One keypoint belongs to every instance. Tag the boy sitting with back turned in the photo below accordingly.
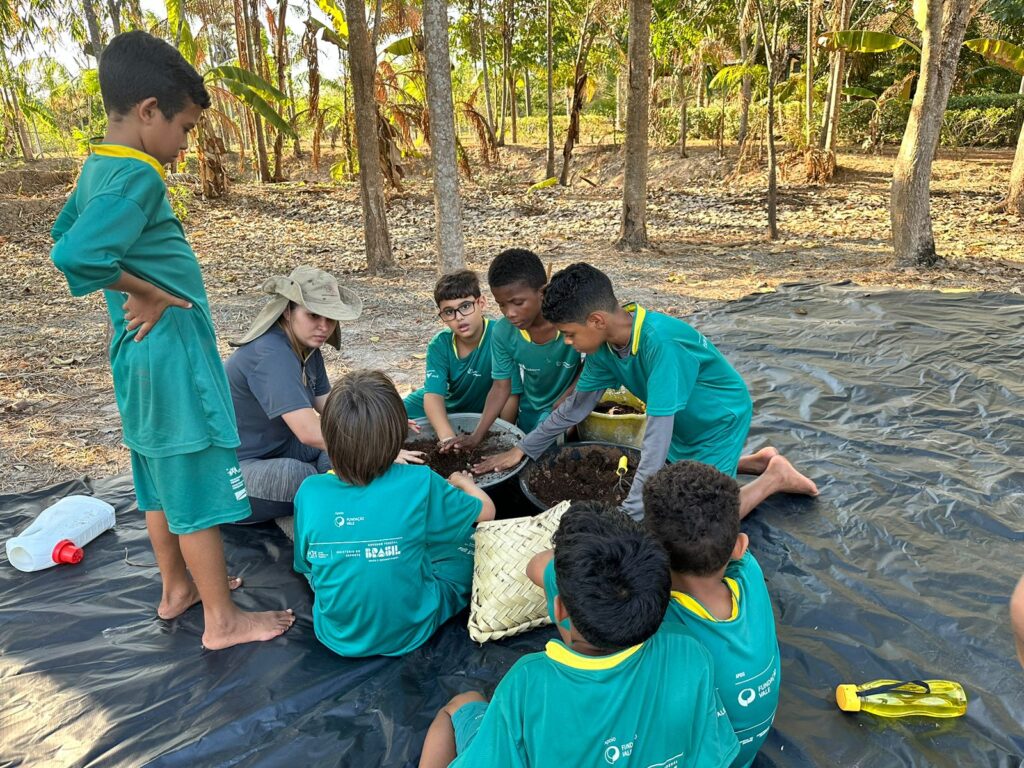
(698, 406)
(458, 369)
(118, 232)
(719, 595)
(528, 349)
(617, 685)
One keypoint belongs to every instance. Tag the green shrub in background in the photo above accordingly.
(986, 120)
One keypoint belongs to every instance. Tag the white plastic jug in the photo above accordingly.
(59, 533)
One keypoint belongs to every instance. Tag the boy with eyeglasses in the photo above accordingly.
(458, 371)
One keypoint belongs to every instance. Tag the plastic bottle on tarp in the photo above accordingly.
(895, 698)
(59, 533)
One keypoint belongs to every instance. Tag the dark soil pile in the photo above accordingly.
(617, 409)
(455, 461)
(582, 474)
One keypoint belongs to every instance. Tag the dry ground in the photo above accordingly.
(56, 404)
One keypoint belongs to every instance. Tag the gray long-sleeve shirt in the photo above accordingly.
(574, 409)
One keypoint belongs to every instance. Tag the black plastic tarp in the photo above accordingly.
(906, 408)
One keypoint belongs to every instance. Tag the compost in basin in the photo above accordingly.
(446, 462)
(582, 472)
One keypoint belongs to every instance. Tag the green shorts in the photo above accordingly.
(195, 491)
(466, 722)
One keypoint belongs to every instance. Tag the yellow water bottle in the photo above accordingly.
(894, 698)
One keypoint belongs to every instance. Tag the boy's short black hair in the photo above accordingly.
(517, 265)
(136, 66)
(457, 285)
(694, 511)
(575, 292)
(612, 576)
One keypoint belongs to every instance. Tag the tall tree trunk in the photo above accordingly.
(943, 34)
(550, 171)
(282, 82)
(259, 66)
(447, 204)
(830, 119)
(746, 85)
(809, 75)
(621, 79)
(774, 62)
(18, 119)
(483, 63)
(310, 48)
(633, 229)
(292, 105)
(513, 103)
(504, 97)
(114, 7)
(529, 92)
(683, 127)
(362, 62)
(92, 23)
(1015, 200)
(578, 92)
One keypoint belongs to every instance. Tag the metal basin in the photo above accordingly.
(507, 436)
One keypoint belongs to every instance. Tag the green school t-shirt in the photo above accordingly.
(545, 370)
(170, 388)
(650, 705)
(463, 382)
(676, 372)
(745, 652)
(372, 555)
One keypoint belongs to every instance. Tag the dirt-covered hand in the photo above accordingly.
(143, 309)
(411, 457)
(462, 480)
(465, 442)
(444, 445)
(499, 462)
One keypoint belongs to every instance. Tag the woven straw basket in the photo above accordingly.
(505, 602)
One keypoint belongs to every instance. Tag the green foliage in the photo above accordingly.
(1000, 52)
(593, 129)
(982, 120)
(863, 41)
(179, 195)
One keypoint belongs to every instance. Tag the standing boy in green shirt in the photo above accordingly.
(616, 688)
(527, 347)
(698, 407)
(719, 595)
(118, 232)
(458, 369)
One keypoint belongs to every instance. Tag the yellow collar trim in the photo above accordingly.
(558, 652)
(526, 335)
(117, 150)
(455, 346)
(690, 604)
(640, 314)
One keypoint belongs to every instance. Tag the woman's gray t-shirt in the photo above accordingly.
(266, 379)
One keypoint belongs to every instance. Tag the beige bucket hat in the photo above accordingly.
(308, 287)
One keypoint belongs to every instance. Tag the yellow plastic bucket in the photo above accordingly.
(618, 428)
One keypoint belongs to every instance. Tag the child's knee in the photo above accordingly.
(462, 699)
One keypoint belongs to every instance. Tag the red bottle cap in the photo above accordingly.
(67, 552)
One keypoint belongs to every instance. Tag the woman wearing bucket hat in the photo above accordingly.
(279, 386)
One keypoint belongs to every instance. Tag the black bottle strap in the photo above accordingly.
(925, 688)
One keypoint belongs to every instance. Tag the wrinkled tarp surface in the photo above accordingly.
(906, 408)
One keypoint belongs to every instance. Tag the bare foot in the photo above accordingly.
(173, 604)
(756, 463)
(787, 479)
(247, 627)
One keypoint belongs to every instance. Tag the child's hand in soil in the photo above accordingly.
(462, 480)
(446, 444)
(465, 442)
(499, 462)
(411, 457)
(414, 426)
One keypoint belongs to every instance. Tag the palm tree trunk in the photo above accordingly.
(830, 119)
(909, 206)
(254, 42)
(282, 82)
(529, 93)
(362, 62)
(633, 228)
(447, 203)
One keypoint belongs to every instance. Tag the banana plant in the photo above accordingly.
(999, 52)
(864, 41)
